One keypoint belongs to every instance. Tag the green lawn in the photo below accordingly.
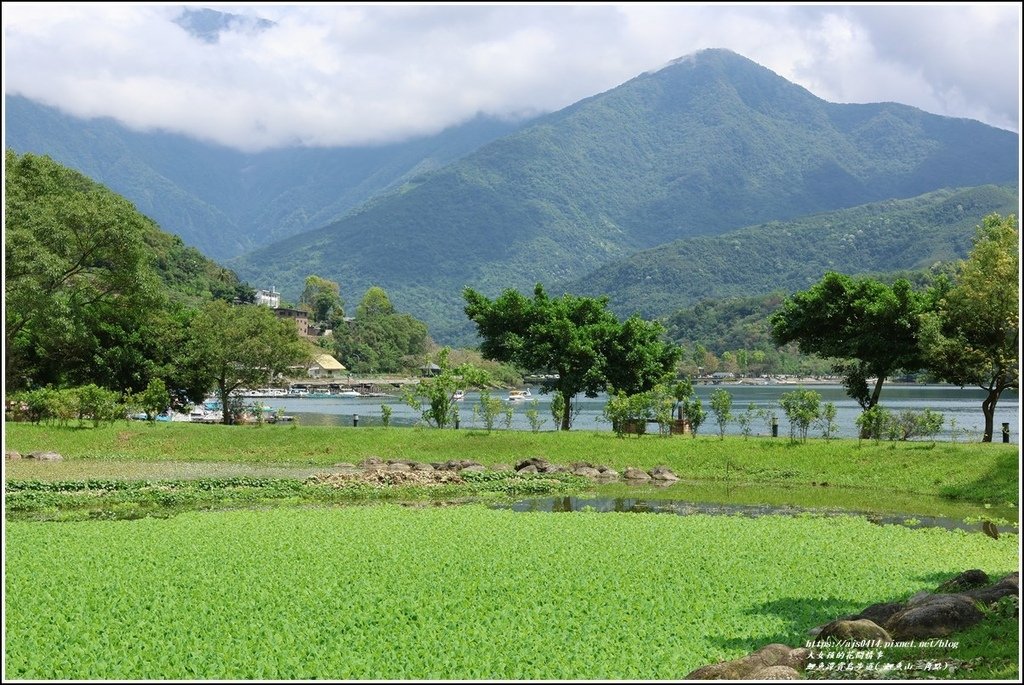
(384, 592)
(981, 473)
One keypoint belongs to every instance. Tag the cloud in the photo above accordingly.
(325, 75)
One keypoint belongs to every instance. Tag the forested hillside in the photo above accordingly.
(791, 255)
(707, 145)
(224, 201)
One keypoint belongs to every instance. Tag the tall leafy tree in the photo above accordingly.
(576, 337)
(380, 339)
(868, 328)
(972, 337)
(78, 288)
(240, 346)
(323, 298)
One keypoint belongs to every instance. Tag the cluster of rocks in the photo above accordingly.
(600, 472)
(41, 456)
(953, 606)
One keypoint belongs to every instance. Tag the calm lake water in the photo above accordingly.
(962, 405)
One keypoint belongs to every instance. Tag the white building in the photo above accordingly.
(269, 298)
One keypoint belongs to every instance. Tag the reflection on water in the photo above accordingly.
(682, 508)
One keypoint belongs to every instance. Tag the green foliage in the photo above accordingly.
(802, 407)
(827, 420)
(721, 406)
(880, 423)
(868, 327)
(694, 413)
(874, 422)
(973, 337)
(154, 399)
(322, 298)
(385, 415)
(230, 347)
(425, 587)
(489, 408)
(434, 396)
(533, 415)
(379, 339)
(789, 254)
(575, 337)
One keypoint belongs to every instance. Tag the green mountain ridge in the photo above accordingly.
(709, 144)
(223, 201)
(886, 236)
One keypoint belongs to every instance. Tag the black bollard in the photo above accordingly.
(355, 420)
(775, 427)
(1006, 432)
(456, 422)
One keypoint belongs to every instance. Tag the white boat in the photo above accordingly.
(348, 393)
(458, 396)
(519, 395)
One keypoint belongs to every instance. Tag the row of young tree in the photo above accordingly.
(964, 331)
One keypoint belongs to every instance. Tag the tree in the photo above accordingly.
(240, 346)
(577, 338)
(78, 288)
(972, 338)
(323, 298)
(721, 405)
(437, 392)
(802, 407)
(869, 328)
(380, 339)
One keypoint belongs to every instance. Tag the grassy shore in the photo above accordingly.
(980, 473)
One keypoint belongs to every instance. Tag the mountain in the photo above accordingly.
(223, 201)
(792, 255)
(708, 144)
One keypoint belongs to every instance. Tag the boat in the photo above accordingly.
(458, 396)
(348, 393)
(519, 395)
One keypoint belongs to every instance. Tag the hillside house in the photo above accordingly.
(299, 316)
(325, 366)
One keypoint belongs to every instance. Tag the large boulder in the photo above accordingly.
(968, 580)
(11, 455)
(539, 462)
(935, 616)
(46, 456)
(751, 667)
(527, 469)
(778, 673)
(420, 466)
(860, 629)
(588, 471)
(663, 473)
(473, 468)
(1007, 585)
(635, 474)
(879, 613)
(397, 466)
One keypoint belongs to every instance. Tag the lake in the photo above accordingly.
(960, 404)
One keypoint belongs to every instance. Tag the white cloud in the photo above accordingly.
(350, 74)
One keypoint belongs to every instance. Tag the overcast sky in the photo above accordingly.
(351, 74)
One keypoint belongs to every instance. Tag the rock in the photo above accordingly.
(879, 613)
(371, 462)
(663, 473)
(398, 466)
(408, 462)
(936, 616)
(919, 597)
(581, 464)
(473, 468)
(527, 469)
(1010, 579)
(456, 465)
(968, 580)
(860, 629)
(609, 473)
(423, 467)
(587, 471)
(778, 673)
(45, 456)
(635, 474)
(751, 667)
(11, 455)
(991, 595)
(344, 465)
(532, 461)
(500, 467)
(553, 468)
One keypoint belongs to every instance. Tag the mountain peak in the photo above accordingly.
(703, 55)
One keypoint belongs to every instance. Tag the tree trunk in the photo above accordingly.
(988, 408)
(873, 401)
(567, 415)
(226, 417)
